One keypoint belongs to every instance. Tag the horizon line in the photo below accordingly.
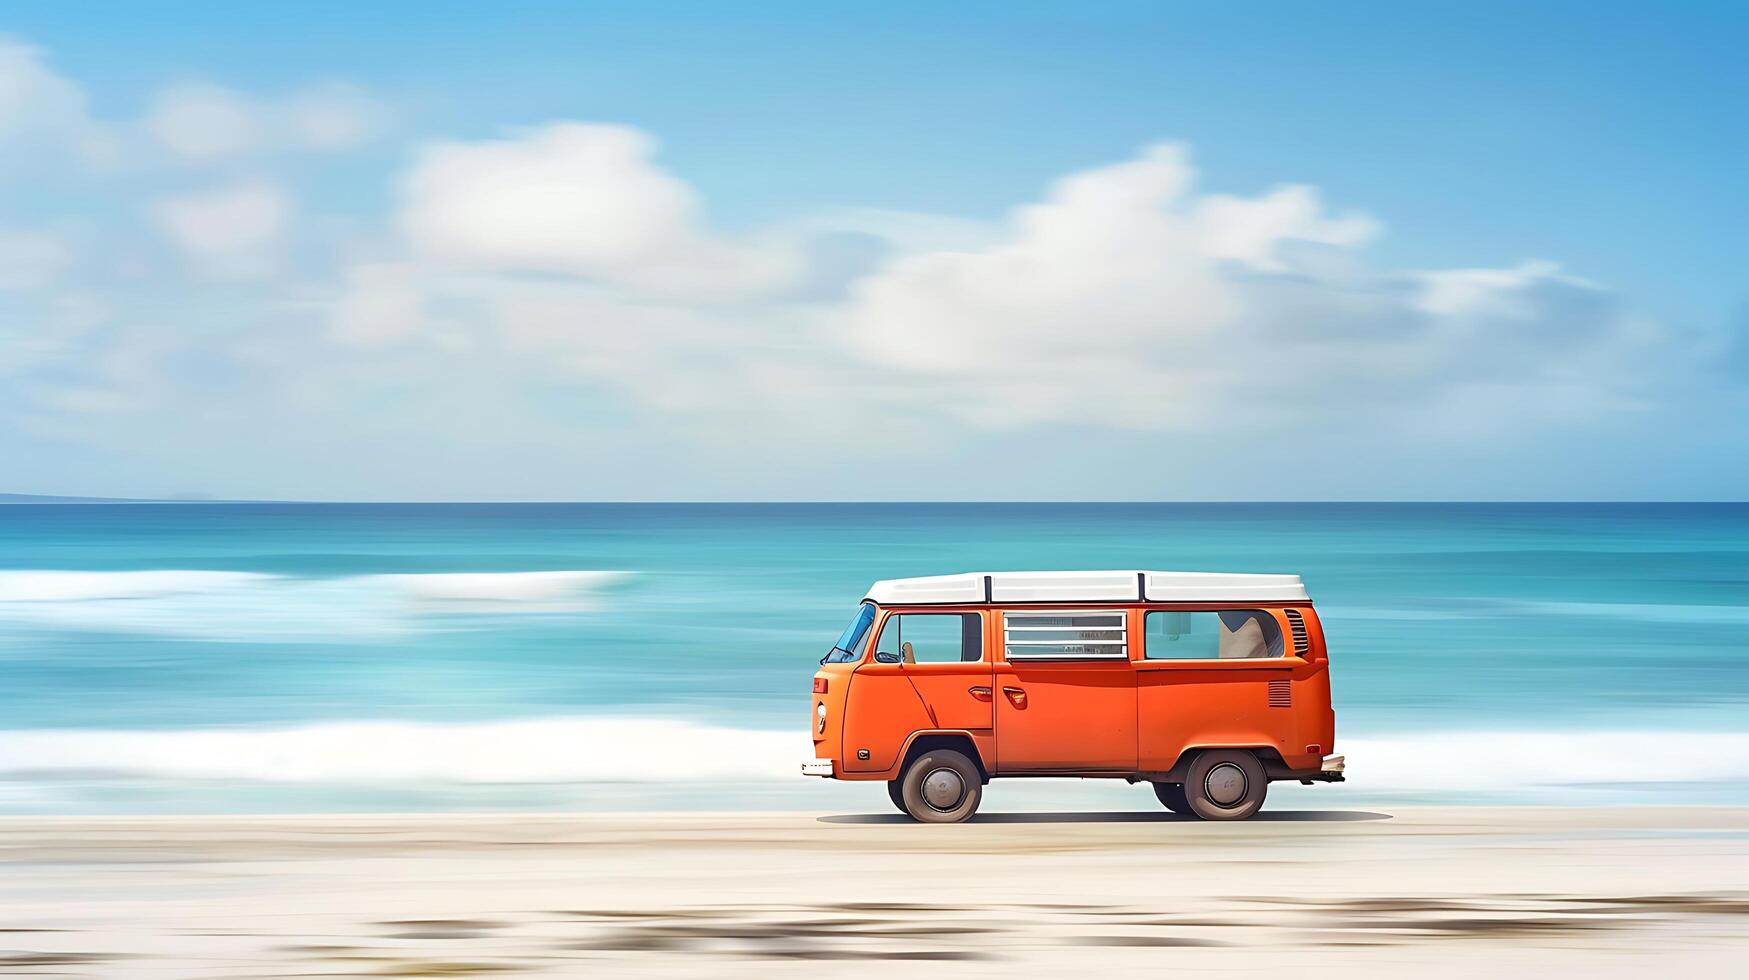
(28, 499)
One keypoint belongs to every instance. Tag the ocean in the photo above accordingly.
(208, 657)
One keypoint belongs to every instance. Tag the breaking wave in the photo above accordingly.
(664, 750)
(1521, 760)
(547, 750)
(261, 607)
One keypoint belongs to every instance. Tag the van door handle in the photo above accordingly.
(981, 693)
(1016, 695)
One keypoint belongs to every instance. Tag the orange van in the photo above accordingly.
(1209, 686)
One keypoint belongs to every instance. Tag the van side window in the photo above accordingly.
(931, 638)
(1233, 634)
(1095, 635)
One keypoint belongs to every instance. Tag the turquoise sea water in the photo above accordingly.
(340, 656)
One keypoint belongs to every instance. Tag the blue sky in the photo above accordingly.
(271, 260)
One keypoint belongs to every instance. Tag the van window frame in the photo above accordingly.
(1127, 629)
(1139, 651)
(886, 614)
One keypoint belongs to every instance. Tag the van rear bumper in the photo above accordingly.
(1331, 770)
(817, 767)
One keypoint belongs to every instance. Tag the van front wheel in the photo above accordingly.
(1171, 795)
(941, 786)
(1226, 784)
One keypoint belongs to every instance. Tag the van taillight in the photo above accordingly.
(819, 685)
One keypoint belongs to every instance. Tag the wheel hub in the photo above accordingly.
(1225, 784)
(943, 789)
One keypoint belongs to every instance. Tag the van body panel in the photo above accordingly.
(884, 709)
(954, 694)
(1280, 703)
(828, 741)
(1316, 710)
(1182, 705)
(1065, 716)
(946, 691)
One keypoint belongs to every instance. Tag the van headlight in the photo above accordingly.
(820, 713)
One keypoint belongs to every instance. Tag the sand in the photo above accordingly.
(1410, 892)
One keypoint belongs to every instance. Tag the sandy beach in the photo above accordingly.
(1448, 891)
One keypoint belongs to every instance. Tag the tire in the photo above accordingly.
(1225, 784)
(896, 793)
(930, 782)
(1171, 795)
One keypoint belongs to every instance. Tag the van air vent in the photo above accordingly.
(1280, 694)
(1296, 624)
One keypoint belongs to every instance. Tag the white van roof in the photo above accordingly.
(1105, 586)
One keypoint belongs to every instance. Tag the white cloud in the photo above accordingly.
(382, 303)
(201, 122)
(31, 259)
(575, 199)
(332, 116)
(1491, 292)
(558, 288)
(1125, 300)
(231, 231)
(43, 116)
(46, 123)
(83, 399)
(1250, 230)
(31, 91)
(1106, 262)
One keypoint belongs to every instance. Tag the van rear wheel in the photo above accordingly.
(1226, 784)
(1171, 795)
(896, 793)
(941, 786)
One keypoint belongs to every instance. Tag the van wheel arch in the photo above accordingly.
(1268, 755)
(957, 742)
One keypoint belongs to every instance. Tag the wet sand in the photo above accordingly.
(1410, 892)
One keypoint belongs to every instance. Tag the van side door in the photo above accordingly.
(942, 654)
(1065, 691)
(929, 671)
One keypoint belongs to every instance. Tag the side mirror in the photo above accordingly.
(886, 657)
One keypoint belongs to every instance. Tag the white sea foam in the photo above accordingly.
(521, 590)
(1512, 760)
(31, 586)
(550, 750)
(621, 749)
(259, 607)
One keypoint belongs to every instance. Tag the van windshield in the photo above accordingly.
(849, 645)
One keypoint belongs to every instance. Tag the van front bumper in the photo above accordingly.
(817, 767)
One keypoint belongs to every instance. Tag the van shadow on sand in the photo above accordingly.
(1137, 816)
